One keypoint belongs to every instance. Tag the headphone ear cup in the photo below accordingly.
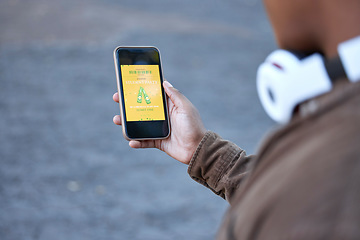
(271, 86)
(283, 60)
(284, 81)
(274, 86)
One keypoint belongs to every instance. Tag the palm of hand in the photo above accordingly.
(187, 132)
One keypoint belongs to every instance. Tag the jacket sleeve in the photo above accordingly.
(219, 165)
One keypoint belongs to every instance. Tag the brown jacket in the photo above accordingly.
(304, 183)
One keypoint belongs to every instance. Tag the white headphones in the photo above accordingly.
(284, 80)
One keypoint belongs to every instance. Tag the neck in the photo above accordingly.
(341, 23)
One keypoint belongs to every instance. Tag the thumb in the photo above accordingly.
(175, 96)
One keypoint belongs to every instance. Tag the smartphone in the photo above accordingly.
(143, 103)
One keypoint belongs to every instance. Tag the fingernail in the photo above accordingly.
(168, 84)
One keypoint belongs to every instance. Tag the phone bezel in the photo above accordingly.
(141, 130)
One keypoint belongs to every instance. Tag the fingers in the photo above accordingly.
(116, 97)
(175, 96)
(117, 119)
(142, 144)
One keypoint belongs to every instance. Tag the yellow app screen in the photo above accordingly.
(142, 92)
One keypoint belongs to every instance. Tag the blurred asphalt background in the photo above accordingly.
(66, 172)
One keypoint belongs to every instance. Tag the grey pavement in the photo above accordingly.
(65, 170)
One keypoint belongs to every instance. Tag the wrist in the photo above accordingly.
(201, 138)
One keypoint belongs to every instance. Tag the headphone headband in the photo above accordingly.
(284, 81)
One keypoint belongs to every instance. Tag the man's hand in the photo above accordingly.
(187, 129)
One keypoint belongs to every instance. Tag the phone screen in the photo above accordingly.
(142, 92)
(143, 101)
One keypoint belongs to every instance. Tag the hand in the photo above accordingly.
(187, 129)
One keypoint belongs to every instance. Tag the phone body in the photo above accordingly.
(143, 102)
